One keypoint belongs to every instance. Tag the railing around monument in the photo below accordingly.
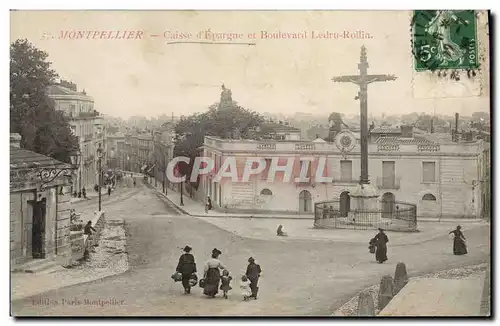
(391, 216)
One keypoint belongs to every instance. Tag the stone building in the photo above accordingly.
(444, 179)
(39, 216)
(87, 124)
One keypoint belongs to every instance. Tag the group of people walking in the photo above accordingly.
(213, 280)
(378, 244)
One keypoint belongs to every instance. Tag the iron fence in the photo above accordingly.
(390, 215)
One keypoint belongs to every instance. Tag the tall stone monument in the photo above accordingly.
(365, 196)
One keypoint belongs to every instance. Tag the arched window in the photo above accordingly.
(266, 192)
(429, 197)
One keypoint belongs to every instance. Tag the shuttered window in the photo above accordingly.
(345, 170)
(429, 172)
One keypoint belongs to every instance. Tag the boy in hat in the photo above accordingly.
(253, 274)
(186, 267)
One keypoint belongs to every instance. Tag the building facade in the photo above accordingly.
(39, 217)
(86, 124)
(442, 179)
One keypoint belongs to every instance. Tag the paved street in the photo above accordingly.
(299, 277)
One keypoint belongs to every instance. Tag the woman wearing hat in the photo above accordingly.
(380, 241)
(187, 267)
(459, 246)
(212, 274)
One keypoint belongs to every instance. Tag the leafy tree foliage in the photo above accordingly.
(227, 122)
(32, 113)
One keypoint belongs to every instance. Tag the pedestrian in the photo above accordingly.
(280, 232)
(211, 274)
(84, 193)
(245, 288)
(372, 246)
(88, 231)
(209, 203)
(459, 244)
(381, 241)
(253, 274)
(225, 283)
(134, 183)
(109, 191)
(186, 267)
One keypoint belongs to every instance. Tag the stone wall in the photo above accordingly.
(77, 245)
(62, 228)
(98, 223)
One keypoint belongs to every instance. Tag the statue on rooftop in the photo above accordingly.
(226, 98)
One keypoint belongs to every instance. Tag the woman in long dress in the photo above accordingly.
(212, 274)
(187, 267)
(459, 246)
(381, 240)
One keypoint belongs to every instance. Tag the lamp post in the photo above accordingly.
(182, 195)
(99, 168)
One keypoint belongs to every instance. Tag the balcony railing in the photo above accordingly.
(304, 147)
(388, 182)
(266, 146)
(388, 148)
(428, 148)
(88, 114)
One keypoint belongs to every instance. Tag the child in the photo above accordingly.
(225, 280)
(245, 288)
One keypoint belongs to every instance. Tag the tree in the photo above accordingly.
(32, 112)
(223, 123)
(336, 122)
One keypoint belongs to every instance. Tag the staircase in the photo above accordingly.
(39, 266)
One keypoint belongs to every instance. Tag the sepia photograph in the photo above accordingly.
(253, 163)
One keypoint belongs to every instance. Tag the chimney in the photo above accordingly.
(15, 140)
(432, 125)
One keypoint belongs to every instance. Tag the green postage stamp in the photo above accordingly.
(444, 39)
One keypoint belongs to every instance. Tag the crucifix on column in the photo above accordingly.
(362, 80)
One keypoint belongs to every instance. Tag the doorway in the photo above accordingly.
(345, 203)
(388, 200)
(304, 201)
(38, 228)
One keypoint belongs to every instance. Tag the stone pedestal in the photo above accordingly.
(365, 206)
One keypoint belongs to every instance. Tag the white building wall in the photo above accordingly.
(453, 190)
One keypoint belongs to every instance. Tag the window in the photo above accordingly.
(266, 192)
(345, 170)
(265, 173)
(429, 197)
(308, 174)
(429, 172)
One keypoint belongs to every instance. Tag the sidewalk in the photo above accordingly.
(93, 194)
(261, 227)
(110, 258)
(434, 297)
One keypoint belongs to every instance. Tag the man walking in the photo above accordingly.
(253, 274)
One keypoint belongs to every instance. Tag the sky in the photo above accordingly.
(146, 76)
